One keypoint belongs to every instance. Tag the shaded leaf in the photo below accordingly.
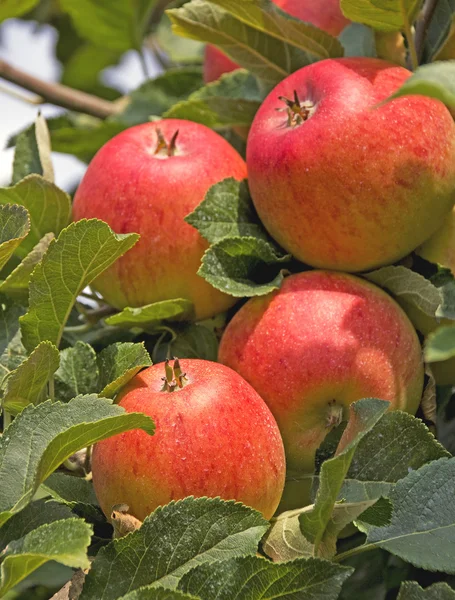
(25, 385)
(64, 541)
(69, 489)
(195, 341)
(253, 577)
(49, 207)
(150, 316)
(118, 363)
(78, 372)
(15, 8)
(14, 227)
(33, 152)
(232, 100)
(43, 436)
(82, 251)
(423, 521)
(204, 529)
(231, 264)
(440, 345)
(17, 282)
(358, 40)
(439, 28)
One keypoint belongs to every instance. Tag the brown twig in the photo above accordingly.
(58, 94)
(422, 26)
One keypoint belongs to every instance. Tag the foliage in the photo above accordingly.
(65, 354)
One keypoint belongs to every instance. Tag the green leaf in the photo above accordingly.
(33, 152)
(49, 207)
(25, 385)
(69, 490)
(254, 577)
(384, 15)
(15, 8)
(156, 96)
(358, 40)
(397, 444)
(231, 264)
(408, 286)
(267, 57)
(436, 81)
(411, 590)
(195, 341)
(118, 363)
(82, 251)
(318, 526)
(118, 25)
(82, 135)
(170, 542)
(34, 515)
(17, 282)
(231, 101)
(78, 372)
(440, 345)
(44, 436)
(423, 520)
(157, 593)
(9, 322)
(440, 28)
(446, 309)
(227, 211)
(14, 227)
(65, 542)
(264, 17)
(149, 317)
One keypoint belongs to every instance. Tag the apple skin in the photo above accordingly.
(321, 342)
(214, 437)
(329, 18)
(134, 190)
(440, 248)
(356, 185)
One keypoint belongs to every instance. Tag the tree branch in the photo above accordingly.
(422, 26)
(58, 94)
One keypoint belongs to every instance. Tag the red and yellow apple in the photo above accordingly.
(342, 181)
(325, 14)
(214, 437)
(321, 342)
(146, 180)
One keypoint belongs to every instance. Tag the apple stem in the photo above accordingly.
(162, 145)
(174, 378)
(334, 414)
(298, 112)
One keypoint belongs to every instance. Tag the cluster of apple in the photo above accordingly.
(343, 182)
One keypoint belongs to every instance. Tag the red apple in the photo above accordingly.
(325, 14)
(343, 182)
(214, 437)
(146, 180)
(321, 342)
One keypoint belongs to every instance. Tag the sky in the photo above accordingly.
(31, 48)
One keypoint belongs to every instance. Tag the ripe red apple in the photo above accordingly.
(214, 437)
(343, 182)
(325, 14)
(146, 180)
(321, 342)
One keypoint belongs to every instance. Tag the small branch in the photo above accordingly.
(409, 37)
(58, 94)
(143, 61)
(422, 26)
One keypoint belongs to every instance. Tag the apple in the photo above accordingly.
(214, 437)
(310, 349)
(146, 180)
(342, 181)
(325, 14)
